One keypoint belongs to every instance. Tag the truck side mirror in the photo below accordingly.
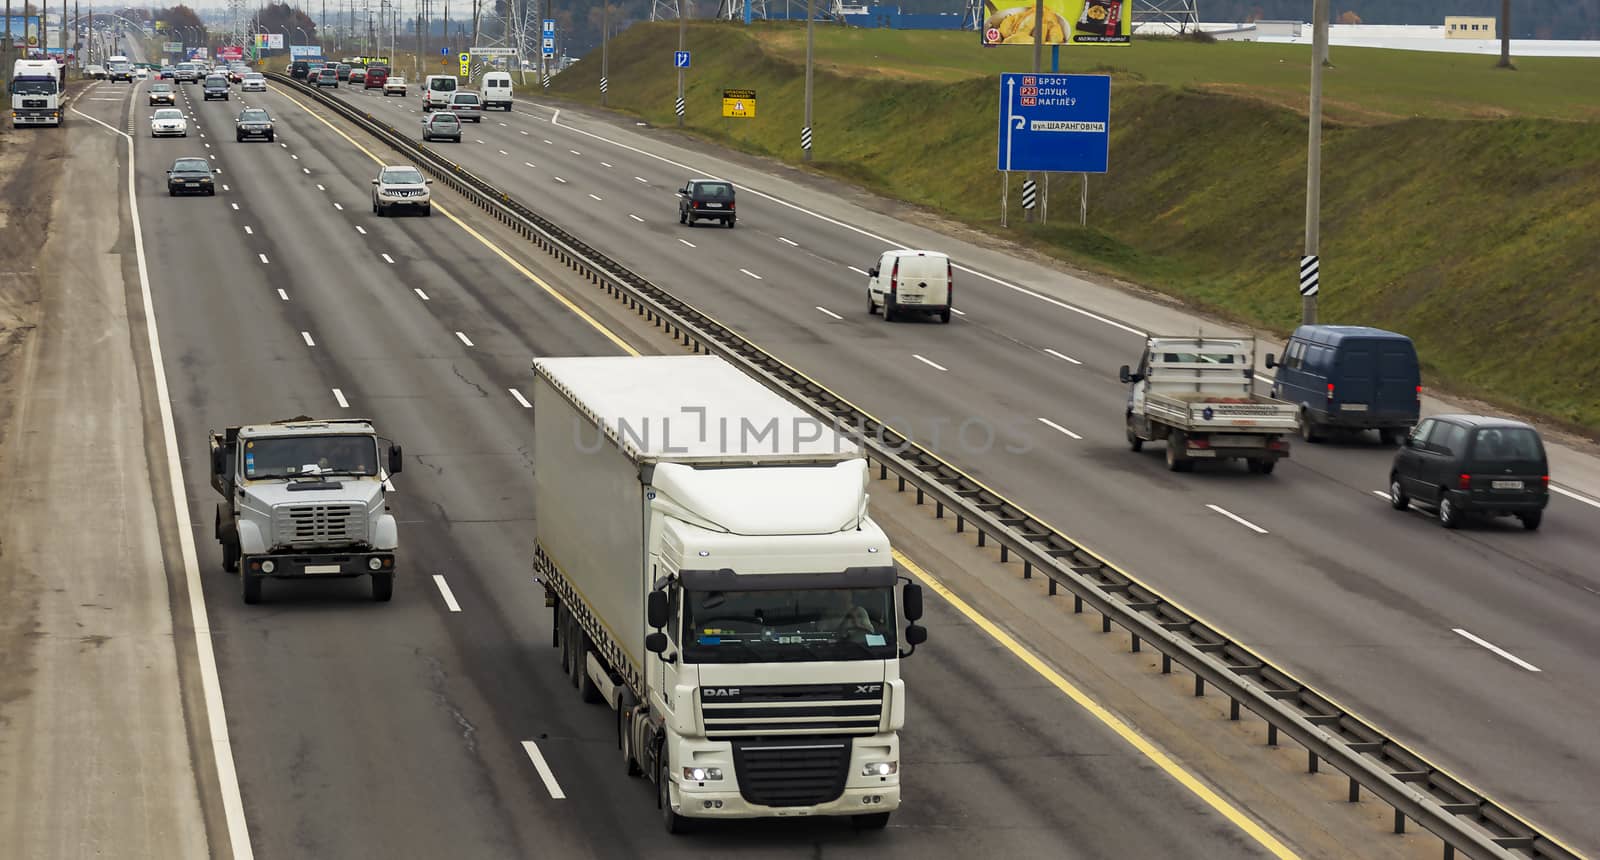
(916, 634)
(395, 460)
(872, 272)
(656, 643)
(911, 597)
(219, 460)
(1125, 374)
(1272, 361)
(656, 610)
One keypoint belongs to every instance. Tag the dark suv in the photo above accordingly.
(215, 86)
(298, 69)
(706, 198)
(1471, 464)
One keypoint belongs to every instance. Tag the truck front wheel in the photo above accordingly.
(1134, 442)
(383, 586)
(672, 821)
(230, 555)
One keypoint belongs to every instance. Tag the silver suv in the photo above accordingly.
(401, 185)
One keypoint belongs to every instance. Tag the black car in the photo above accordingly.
(253, 122)
(193, 175)
(706, 198)
(215, 86)
(1471, 464)
(298, 69)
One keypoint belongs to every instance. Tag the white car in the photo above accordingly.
(168, 122)
(393, 86)
(141, 73)
(254, 82)
(401, 185)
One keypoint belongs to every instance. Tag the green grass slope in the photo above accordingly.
(1475, 236)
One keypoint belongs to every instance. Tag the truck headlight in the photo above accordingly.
(880, 768)
(702, 774)
(268, 567)
(374, 563)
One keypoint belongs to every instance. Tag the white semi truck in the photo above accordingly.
(717, 581)
(35, 93)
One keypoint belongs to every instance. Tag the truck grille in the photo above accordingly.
(34, 103)
(792, 772)
(319, 525)
(812, 709)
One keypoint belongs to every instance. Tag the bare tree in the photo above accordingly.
(1505, 36)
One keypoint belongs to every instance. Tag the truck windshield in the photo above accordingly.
(291, 456)
(799, 625)
(33, 87)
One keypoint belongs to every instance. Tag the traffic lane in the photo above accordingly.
(401, 681)
(959, 723)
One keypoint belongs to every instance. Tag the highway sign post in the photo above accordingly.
(1053, 124)
(739, 103)
(466, 64)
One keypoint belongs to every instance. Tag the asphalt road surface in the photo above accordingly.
(363, 729)
(1475, 646)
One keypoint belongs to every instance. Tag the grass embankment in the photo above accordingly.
(1461, 204)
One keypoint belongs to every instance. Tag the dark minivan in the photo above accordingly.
(298, 69)
(1469, 464)
(1350, 377)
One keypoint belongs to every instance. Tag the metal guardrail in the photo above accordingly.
(1462, 817)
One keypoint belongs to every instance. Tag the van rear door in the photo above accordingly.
(1399, 381)
(1506, 464)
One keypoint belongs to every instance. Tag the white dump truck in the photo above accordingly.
(1198, 393)
(305, 499)
(717, 581)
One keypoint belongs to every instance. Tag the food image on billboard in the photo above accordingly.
(1065, 22)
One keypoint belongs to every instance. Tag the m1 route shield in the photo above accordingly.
(1054, 123)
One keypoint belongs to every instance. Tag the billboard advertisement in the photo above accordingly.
(269, 41)
(16, 26)
(230, 53)
(305, 52)
(1066, 22)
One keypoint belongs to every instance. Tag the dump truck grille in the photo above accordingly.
(320, 525)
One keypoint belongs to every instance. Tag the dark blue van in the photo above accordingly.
(1350, 377)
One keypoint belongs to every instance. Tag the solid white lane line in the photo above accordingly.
(642, 179)
(635, 217)
(339, 396)
(464, 339)
(687, 242)
(1063, 357)
(1054, 426)
(523, 401)
(596, 197)
(387, 258)
(751, 274)
(861, 272)
(933, 364)
(338, 207)
(1238, 519)
(283, 295)
(420, 294)
(199, 620)
(263, 257)
(1498, 650)
(790, 242)
(1574, 496)
(307, 336)
(248, 231)
(828, 312)
(360, 229)
(444, 590)
(539, 764)
(560, 180)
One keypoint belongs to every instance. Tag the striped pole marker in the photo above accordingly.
(1030, 194)
(677, 105)
(805, 138)
(603, 86)
(1309, 275)
(545, 82)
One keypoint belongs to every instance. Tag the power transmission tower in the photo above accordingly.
(664, 10)
(1177, 16)
(239, 25)
(733, 10)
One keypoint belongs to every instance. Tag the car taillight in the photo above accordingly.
(894, 276)
(1277, 445)
(1199, 443)
(1330, 391)
(730, 206)
(1464, 482)
(1545, 480)
(1419, 394)
(694, 204)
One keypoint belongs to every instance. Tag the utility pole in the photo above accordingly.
(1505, 36)
(5, 65)
(476, 17)
(806, 131)
(1310, 265)
(416, 60)
(683, 35)
(605, 37)
(1038, 63)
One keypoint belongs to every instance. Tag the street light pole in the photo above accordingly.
(806, 132)
(605, 47)
(1310, 268)
(683, 34)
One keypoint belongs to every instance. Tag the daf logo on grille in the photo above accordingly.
(868, 688)
(720, 692)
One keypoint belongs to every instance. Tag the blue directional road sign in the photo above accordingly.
(1055, 123)
(444, 52)
(680, 59)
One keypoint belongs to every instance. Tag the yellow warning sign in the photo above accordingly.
(740, 103)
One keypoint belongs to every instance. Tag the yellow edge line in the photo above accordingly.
(1111, 721)
(1031, 660)
(522, 270)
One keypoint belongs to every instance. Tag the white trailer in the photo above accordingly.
(717, 581)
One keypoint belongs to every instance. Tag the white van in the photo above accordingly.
(436, 90)
(497, 91)
(911, 281)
